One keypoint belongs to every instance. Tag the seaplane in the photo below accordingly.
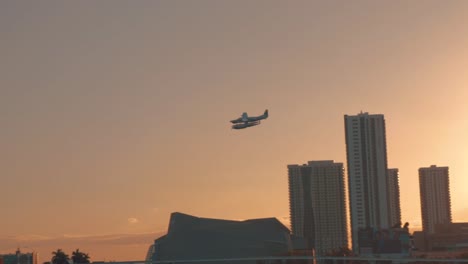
(246, 121)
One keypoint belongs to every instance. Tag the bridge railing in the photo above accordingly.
(306, 260)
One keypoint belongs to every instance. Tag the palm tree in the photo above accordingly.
(59, 257)
(80, 257)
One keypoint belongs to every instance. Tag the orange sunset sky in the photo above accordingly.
(116, 113)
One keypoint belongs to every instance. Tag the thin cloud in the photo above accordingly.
(132, 220)
(29, 238)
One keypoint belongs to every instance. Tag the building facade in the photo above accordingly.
(366, 153)
(446, 237)
(435, 197)
(317, 203)
(394, 197)
(195, 238)
(389, 242)
(19, 258)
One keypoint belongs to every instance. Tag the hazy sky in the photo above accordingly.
(115, 113)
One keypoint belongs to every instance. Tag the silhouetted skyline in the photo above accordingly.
(115, 113)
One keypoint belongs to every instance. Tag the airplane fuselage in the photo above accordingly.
(244, 118)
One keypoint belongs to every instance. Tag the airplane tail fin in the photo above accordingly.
(266, 113)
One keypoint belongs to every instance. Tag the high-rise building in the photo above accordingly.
(19, 258)
(394, 197)
(366, 152)
(435, 197)
(317, 204)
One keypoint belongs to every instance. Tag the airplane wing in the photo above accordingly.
(244, 118)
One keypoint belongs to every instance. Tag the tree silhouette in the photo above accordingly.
(80, 257)
(406, 226)
(59, 257)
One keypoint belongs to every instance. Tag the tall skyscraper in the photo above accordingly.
(435, 197)
(317, 204)
(394, 196)
(366, 152)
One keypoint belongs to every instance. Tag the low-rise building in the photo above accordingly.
(446, 237)
(19, 258)
(390, 242)
(196, 238)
